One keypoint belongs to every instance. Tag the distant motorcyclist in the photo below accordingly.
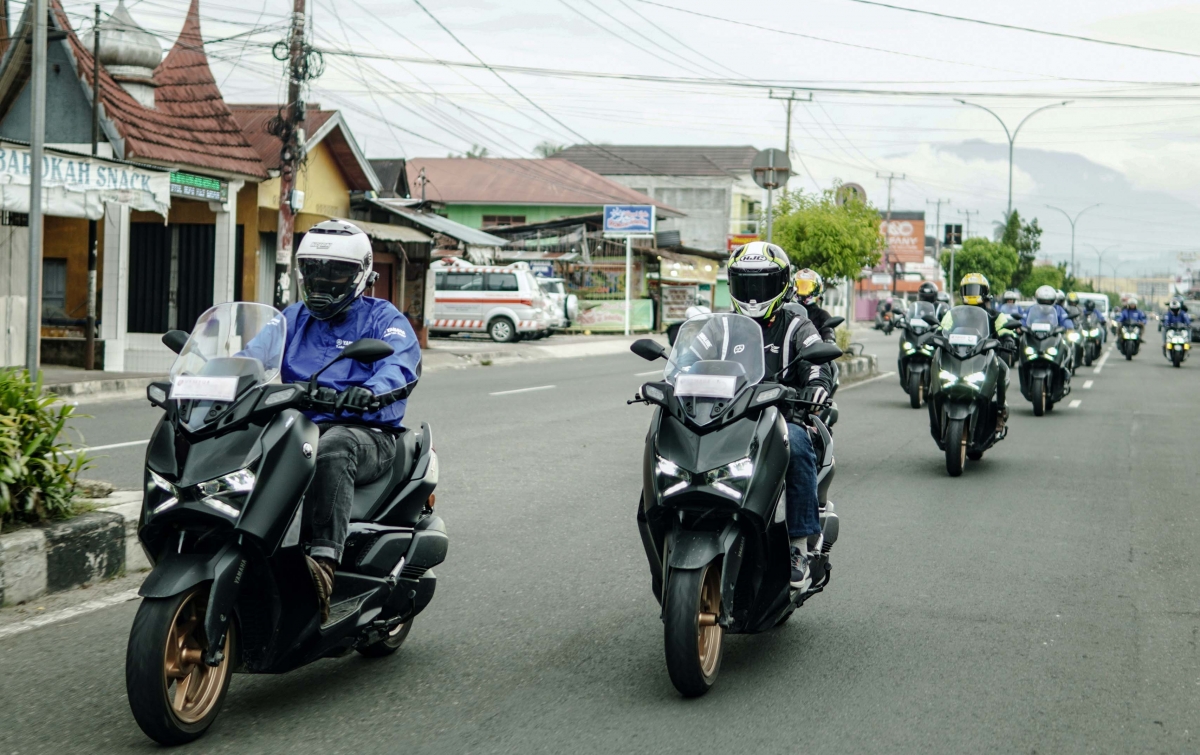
(1010, 307)
(1072, 306)
(760, 278)
(808, 287)
(928, 292)
(944, 303)
(1175, 317)
(1131, 315)
(974, 290)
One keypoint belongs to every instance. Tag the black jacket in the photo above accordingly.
(784, 335)
(819, 317)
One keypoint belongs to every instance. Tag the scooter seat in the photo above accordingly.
(368, 497)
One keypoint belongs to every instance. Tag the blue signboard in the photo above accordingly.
(629, 218)
(542, 269)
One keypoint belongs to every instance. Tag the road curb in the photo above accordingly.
(857, 369)
(97, 390)
(98, 545)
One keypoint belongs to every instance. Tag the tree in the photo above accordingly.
(476, 151)
(836, 241)
(1041, 275)
(547, 149)
(1026, 239)
(997, 262)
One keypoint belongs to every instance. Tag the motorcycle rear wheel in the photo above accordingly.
(1037, 389)
(916, 390)
(1176, 358)
(956, 447)
(691, 635)
(173, 695)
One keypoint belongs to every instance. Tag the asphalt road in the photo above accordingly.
(1044, 602)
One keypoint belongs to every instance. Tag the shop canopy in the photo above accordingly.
(78, 186)
(387, 232)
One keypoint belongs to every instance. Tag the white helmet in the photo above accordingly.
(1045, 295)
(333, 267)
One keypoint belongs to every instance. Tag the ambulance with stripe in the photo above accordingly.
(505, 302)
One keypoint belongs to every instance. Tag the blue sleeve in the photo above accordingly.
(266, 343)
(397, 375)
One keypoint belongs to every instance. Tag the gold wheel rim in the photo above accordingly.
(962, 449)
(709, 632)
(192, 688)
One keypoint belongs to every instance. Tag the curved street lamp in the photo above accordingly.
(1100, 261)
(1012, 137)
(1072, 222)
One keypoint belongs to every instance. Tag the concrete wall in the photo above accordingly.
(14, 304)
(707, 200)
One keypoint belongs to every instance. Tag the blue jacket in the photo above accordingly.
(1176, 318)
(1012, 310)
(313, 343)
(1064, 319)
(1132, 317)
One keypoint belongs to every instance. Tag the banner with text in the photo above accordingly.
(75, 186)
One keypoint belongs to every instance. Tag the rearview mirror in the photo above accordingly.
(175, 340)
(368, 350)
(820, 353)
(648, 349)
(834, 322)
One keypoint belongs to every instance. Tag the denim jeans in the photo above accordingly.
(346, 455)
(801, 485)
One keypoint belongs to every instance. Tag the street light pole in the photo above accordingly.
(1072, 222)
(1100, 261)
(37, 143)
(1012, 137)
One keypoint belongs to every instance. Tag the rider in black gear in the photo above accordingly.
(809, 286)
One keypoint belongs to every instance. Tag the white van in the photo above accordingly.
(505, 302)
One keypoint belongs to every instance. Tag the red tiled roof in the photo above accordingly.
(253, 121)
(494, 180)
(191, 125)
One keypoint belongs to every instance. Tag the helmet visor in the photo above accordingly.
(805, 287)
(325, 283)
(973, 293)
(757, 287)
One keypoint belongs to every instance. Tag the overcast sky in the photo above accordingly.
(1137, 157)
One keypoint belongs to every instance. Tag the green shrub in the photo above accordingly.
(843, 339)
(37, 480)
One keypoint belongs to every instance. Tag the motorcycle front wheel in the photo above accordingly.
(1037, 389)
(173, 694)
(916, 390)
(1176, 358)
(691, 635)
(956, 447)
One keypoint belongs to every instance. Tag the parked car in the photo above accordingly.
(505, 302)
(564, 307)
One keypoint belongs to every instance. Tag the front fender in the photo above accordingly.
(177, 572)
(959, 409)
(693, 550)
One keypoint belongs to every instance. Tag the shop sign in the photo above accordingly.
(79, 186)
(203, 188)
(734, 240)
(676, 300)
(905, 238)
(628, 218)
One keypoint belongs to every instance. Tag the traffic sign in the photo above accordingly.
(847, 192)
(771, 168)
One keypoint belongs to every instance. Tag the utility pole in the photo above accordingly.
(790, 100)
(37, 143)
(1072, 220)
(421, 181)
(89, 347)
(890, 177)
(291, 154)
(937, 238)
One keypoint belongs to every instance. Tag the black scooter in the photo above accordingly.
(222, 524)
(1045, 371)
(1131, 340)
(915, 358)
(712, 517)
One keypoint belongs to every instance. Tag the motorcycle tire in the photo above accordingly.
(1087, 358)
(1128, 355)
(693, 648)
(173, 695)
(1037, 389)
(1176, 358)
(916, 390)
(956, 447)
(388, 645)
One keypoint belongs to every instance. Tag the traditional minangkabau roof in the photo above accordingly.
(190, 126)
(319, 126)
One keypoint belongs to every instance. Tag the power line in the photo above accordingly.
(1060, 35)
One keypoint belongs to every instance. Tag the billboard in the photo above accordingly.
(628, 218)
(906, 239)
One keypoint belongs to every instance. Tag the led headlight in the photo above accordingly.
(927, 350)
(672, 478)
(226, 494)
(732, 478)
(947, 377)
(1094, 332)
(1053, 352)
(166, 487)
(1072, 337)
(975, 379)
(908, 347)
(653, 392)
(1030, 351)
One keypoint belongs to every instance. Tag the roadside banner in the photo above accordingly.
(628, 218)
(78, 186)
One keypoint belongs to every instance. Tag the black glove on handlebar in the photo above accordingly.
(355, 398)
(814, 393)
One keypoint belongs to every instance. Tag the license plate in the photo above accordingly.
(1040, 327)
(706, 386)
(201, 388)
(963, 340)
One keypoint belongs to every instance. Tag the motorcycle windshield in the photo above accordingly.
(969, 326)
(716, 337)
(233, 348)
(1041, 319)
(922, 311)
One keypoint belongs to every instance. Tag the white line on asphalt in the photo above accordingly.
(868, 380)
(106, 448)
(67, 613)
(1103, 359)
(644, 374)
(524, 390)
(1087, 384)
(1075, 404)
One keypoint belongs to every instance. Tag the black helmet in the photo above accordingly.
(927, 292)
(760, 276)
(1089, 305)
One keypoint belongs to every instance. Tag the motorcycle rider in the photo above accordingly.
(1010, 306)
(808, 287)
(1089, 308)
(928, 292)
(974, 290)
(333, 269)
(1072, 307)
(760, 277)
(1131, 315)
(1176, 317)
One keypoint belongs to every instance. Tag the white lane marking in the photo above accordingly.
(1075, 404)
(1103, 359)
(67, 613)
(1087, 384)
(645, 374)
(524, 390)
(106, 448)
(864, 382)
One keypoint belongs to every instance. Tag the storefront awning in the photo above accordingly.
(386, 232)
(78, 186)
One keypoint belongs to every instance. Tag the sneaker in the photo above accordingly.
(801, 570)
(1001, 418)
(321, 570)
